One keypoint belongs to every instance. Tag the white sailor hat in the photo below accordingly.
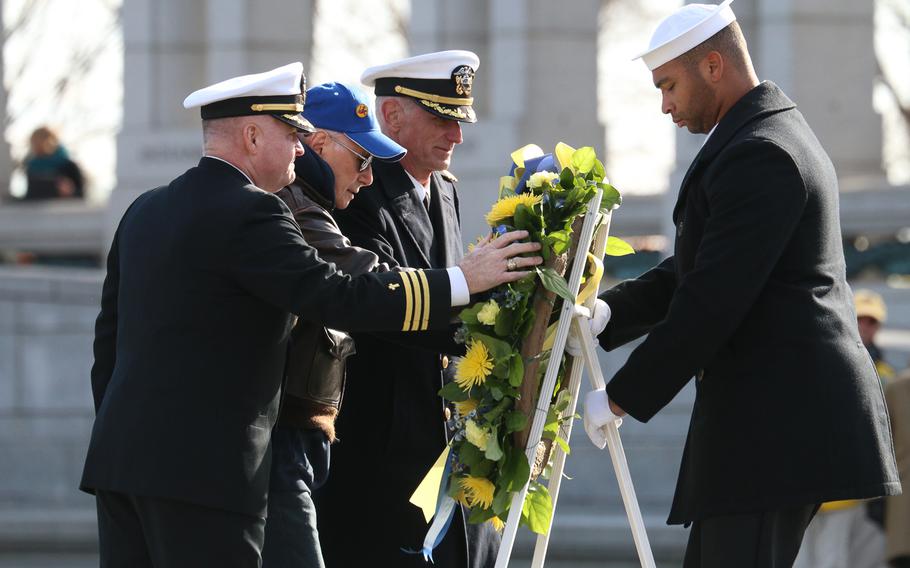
(280, 93)
(684, 29)
(441, 82)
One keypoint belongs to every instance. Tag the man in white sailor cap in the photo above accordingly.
(755, 305)
(393, 426)
(203, 279)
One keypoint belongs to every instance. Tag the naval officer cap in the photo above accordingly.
(280, 93)
(684, 29)
(441, 82)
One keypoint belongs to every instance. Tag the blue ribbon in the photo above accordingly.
(442, 519)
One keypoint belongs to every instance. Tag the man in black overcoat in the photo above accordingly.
(755, 305)
(203, 278)
(393, 426)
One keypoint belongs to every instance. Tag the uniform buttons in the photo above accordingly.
(445, 362)
(447, 414)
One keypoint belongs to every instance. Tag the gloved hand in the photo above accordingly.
(600, 317)
(597, 415)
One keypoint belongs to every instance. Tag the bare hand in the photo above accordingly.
(487, 266)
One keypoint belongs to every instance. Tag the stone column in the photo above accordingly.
(172, 48)
(820, 52)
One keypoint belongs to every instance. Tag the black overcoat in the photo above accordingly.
(391, 428)
(202, 280)
(755, 304)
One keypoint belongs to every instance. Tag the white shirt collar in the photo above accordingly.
(422, 190)
(709, 134)
(233, 166)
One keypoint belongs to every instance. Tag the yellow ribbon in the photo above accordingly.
(427, 492)
(592, 285)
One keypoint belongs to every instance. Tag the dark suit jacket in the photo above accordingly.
(202, 278)
(392, 427)
(755, 304)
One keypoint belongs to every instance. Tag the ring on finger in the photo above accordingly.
(512, 264)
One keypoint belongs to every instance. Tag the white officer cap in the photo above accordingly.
(684, 29)
(441, 82)
(280, 93)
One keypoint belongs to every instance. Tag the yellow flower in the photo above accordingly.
(497, 523)
(505, 207)
(474, 367)
(541, 178)
(478, 491)
(477, 435)
(488, 313)
(465, 407)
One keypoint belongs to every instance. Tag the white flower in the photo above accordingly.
(487, 314)
(541, 178)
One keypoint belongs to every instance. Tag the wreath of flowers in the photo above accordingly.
(544, 195)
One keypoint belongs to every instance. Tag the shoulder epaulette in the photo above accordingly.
(446, 174)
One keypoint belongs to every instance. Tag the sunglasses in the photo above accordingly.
(365, 160)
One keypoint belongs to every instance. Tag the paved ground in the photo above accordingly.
(89, 560)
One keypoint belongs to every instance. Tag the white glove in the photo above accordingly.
(600, 317)
(598, 415)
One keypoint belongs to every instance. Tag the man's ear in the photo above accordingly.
(713, 66)
(317, 141)
(252, 138)
(392, 113)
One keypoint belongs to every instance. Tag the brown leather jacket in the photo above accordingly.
(313, 401)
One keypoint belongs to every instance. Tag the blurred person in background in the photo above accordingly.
(49, 171)
(897, 507)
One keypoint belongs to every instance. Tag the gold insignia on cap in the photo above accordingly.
(464, 79)
(362, 110)
(259, 107)
(456, 112)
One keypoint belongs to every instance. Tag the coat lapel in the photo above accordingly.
(444, 210)
(407, 210)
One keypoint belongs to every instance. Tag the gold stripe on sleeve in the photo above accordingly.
(408, 301)
(418, 304)
(425, 323)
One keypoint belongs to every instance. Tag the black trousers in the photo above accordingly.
(146, 532)
(769, 539)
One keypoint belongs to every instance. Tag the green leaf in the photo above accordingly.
(555, 283)
(516, 370)
(559, 240)
(505, 322)
(527, 219)
(483, 468)
(563, 444)
(497, 393)
(611, 198)
(515, 421)
(469, 315)
(516, 471)
(583, 159)
(597, 172)
(479, 515)
(453, 392)
(493, 451)
(501, 502)
(567, 178)
(538, 509)
(470, 455)
(618, 247)
(498, 348)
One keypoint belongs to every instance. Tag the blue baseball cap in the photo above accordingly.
(346, 109)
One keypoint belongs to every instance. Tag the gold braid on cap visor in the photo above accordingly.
(433, 98)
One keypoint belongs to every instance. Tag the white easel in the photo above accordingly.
(570, 315)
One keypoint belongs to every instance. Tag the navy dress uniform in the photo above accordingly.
(755, 305)
(203, 277)
(392, 428)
